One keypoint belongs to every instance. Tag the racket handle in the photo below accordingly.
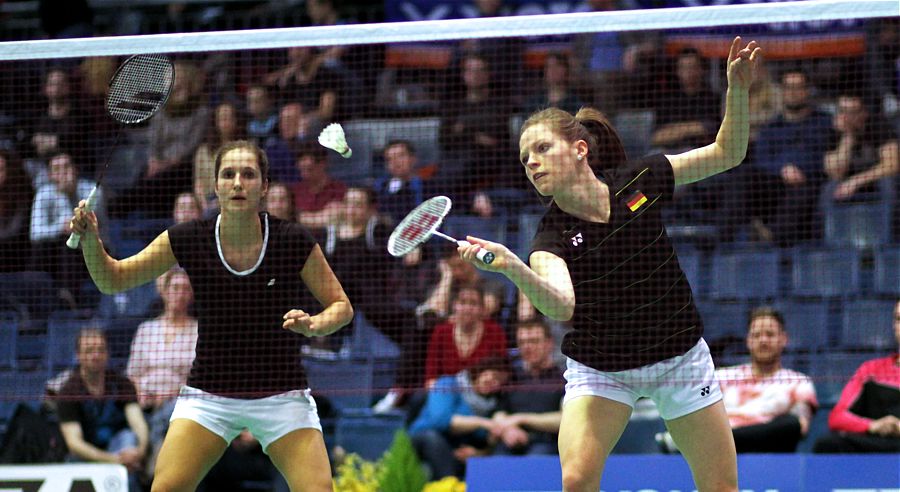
(484, 255)
(75, 238)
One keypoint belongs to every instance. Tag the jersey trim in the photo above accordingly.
(262, 252)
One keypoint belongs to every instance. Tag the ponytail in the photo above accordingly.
(605, 149)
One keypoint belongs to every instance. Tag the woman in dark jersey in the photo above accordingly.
(602, 259)
(256, 281)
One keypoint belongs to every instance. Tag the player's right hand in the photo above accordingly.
(503, 257)
(82, 220)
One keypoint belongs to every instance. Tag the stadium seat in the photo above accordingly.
(121, 178)
(639, 437)
(9, 331)
(859, 225)
(825, 273)
(22, 385)
(868, 324)
(818, 427)
(830, 372)
(528, 225)
(807, 323)
(367, 435)
(62, 330)
(691, 261)
(460, 226)
(744, 275)
(635, 129)
(723, 319)
(138, 302)
(887, 271)
(347, 383)
(32, 294)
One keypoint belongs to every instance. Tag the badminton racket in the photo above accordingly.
(140, 86)
(420, 224)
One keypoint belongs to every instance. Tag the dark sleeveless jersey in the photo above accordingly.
(633, 304)
(242, 350)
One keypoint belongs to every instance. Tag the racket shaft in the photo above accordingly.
(484, 255)
(75, 238)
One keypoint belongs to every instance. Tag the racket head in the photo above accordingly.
(140, 86)
(418, 225)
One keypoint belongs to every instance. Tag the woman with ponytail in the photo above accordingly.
(602, 259)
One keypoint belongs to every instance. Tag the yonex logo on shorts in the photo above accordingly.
(704, 391)
(271, 283)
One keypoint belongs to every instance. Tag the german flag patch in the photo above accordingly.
(636, 200)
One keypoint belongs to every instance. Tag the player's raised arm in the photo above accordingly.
(111, 275)
(730, 146)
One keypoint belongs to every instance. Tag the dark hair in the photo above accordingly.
(765, 312)
(312, 149)
(605, 149)
(399, 141)
(261, 159)
(690, 51)
(371, 198)
(535, 323)
(213, 139)
(89, 330)
(476, 287)
(490, 363)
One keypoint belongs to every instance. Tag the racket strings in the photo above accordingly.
(139, 88)
(418, 225)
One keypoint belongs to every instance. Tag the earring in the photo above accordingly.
(580, 157)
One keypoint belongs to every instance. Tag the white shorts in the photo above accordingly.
(267, 419)
(679, 386)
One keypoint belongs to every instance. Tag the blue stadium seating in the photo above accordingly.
(133, 303)
(691, 261)
(887, 271)
(744, 275)
(635, 129)
(366, 137)
(807, 323)
(868, 324)
(62, 330)
(859, 225)
(825, 273)
(460, 226)
(830, 372)
(22, 385)
(721, 319)
(528, 224)
(9, 331)
(32, 294)
(639, 437)
(347, 383)
(367, 435)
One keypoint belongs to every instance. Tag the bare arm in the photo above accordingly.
(324, 285)
(111, 275)
(547, 284)
(730, 146)
(888, 165)
(837, 161)
(464, 424)
(136, 422)
(541, 422)
(74, 438)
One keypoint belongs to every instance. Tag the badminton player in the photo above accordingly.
(250, 274)
(601, 258)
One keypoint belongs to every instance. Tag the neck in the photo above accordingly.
(91, 378)
(477, 94)
(468, 329)
(762, 369)
(587, 198)
(793, 115)
(175, 317)
(539, 366)
(240, 228)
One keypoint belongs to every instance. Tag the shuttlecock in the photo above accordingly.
(332, 137)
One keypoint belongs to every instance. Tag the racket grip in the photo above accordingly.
(485, 256)
(75, 238)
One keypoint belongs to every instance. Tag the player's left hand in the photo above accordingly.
(300, 322)
(742, 64)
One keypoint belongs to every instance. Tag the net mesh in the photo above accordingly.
(807, 224)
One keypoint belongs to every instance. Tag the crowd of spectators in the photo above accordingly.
(811, 141)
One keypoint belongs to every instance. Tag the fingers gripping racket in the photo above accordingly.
(140, 86)
(418, 226)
